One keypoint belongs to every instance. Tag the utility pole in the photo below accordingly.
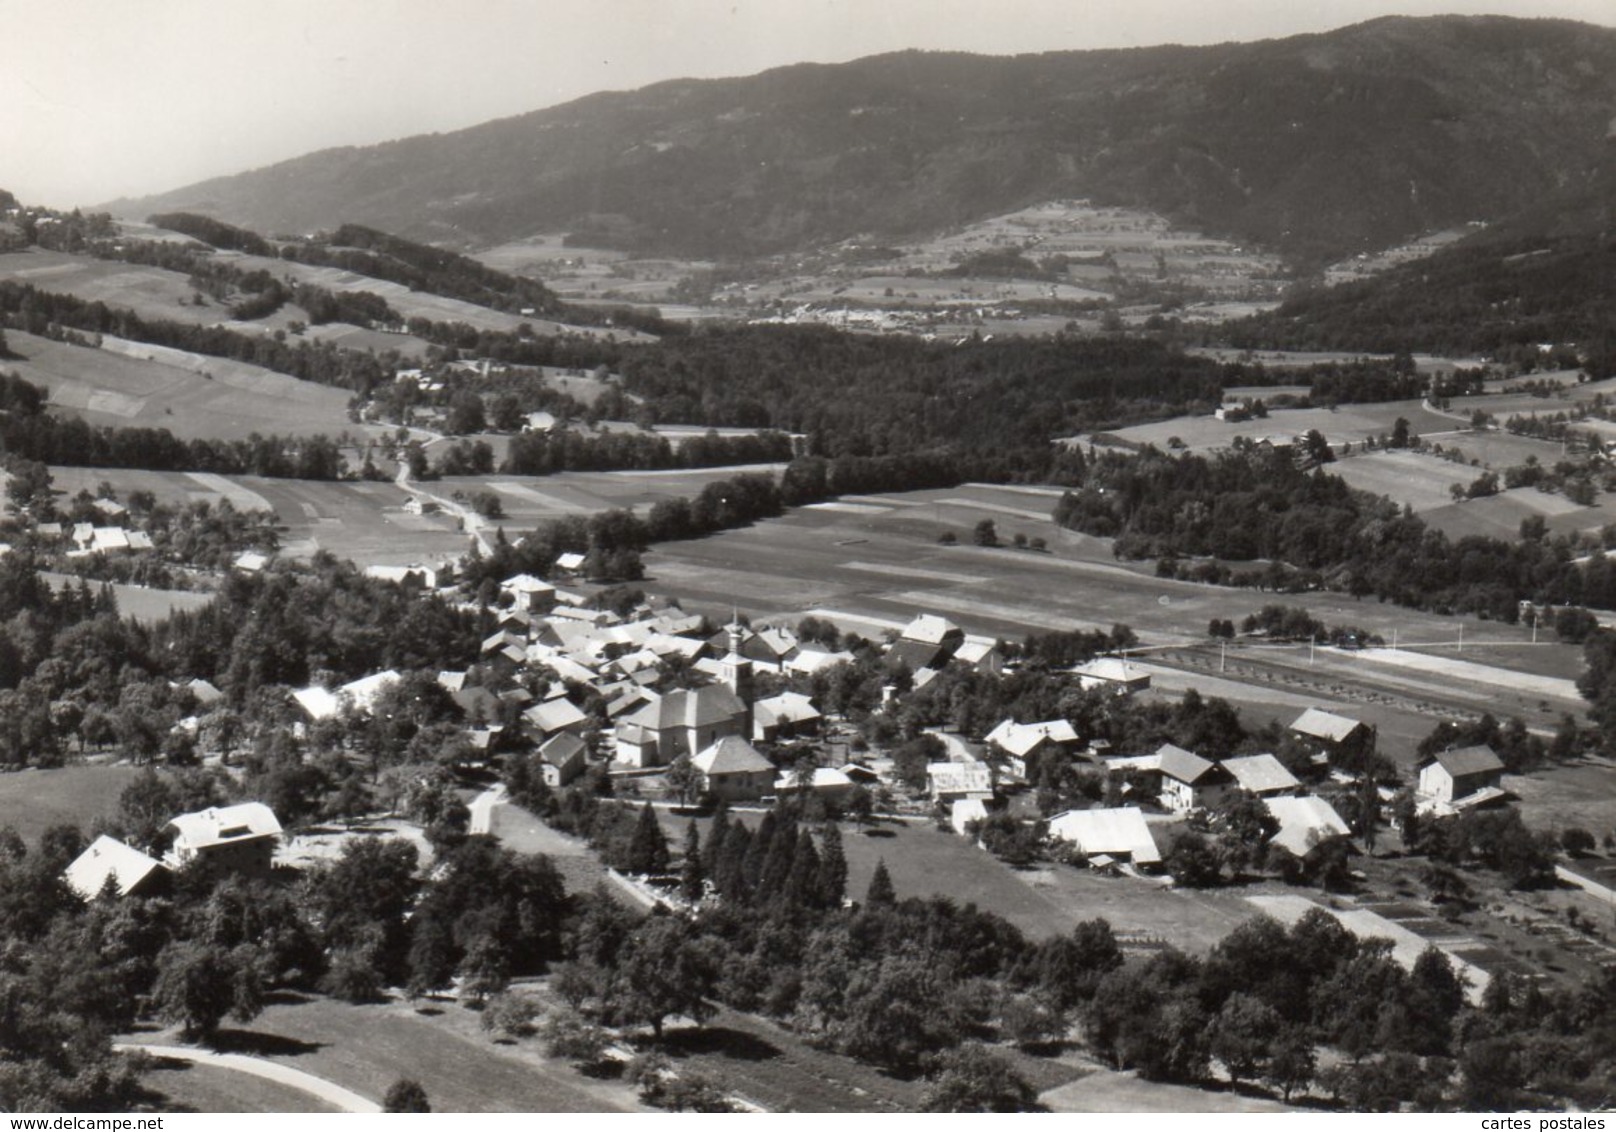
(1223, 654)
(1461, 636)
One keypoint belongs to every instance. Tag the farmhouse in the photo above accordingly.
(1262, 775)
(1024, 743)
(733, 770)
(359, 695)
(1120, 834)
(533, 595)
(563, 758)
(1460, 779)
(825, 781)
(1328, 732)
(555, 716)
(1304, 821)
(950, 782)
(1113, 673)
(786, 716)
(1189, 782)
(235, 839)
(134, 873)
(927, 642)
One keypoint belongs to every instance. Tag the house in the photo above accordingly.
(1327, 731)
(564, 757)
(808, 661)
(1304, 821)
(427, 577)
(786, 716)
(927, 642)
(949, 782)
(555, 716)
(236, 839)
(1189, 782)
(1112, 673)
(1460, 779)
(827, 782)
(1023, 743)
(980, 653)
(569, 562)
(680, 723)
(202, 691)
(1262, 775)
(535, 595)
(733, 770)
(135, 873)
(1120, 834)
(252, 562)
(359, 695)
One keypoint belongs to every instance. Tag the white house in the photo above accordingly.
(1120, 834)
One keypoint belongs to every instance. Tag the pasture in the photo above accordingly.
(143, 603)
(1499, 516)
(1421, 481)
(126, 384)
(1497, 450)
(150, 292)
(1346, 424)
(529, 500)
(32, 801)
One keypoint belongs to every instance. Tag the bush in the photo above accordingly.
(510, 1015)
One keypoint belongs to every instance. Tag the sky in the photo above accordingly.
(108, 98)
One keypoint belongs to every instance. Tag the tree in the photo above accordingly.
(973, 1079)
(692, 878)
(662, 970)
(985, 534)
(1243, 1035)
(405, 1095)
(1192, 862)
(880, 893)
(1400, 434)
(1291, 1062)
(198, 985)
(831, 883)
(648, 848)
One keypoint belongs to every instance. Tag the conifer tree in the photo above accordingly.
(713, 851)
(831, 883)
(880, 891)
(691, 873)
(758, 850)
(801, 887)
(648, 849)
(730, 876)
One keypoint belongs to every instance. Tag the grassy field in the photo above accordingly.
(367, 1048)
(363, 521)
(925, 861)
(1499, 516)
(1347, 424)
(1497, 450)
(132, 384)
(140, 602)
(31, 801)
(180, 1086)
(150, 292)
(528, 500)
(1419, 480)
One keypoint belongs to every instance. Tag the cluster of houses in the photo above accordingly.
(87, 538)
(238, 840)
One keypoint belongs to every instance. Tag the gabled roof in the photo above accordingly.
(553, 715)
(960, 778)
(812, 660)
(930, 629)
(975, 650)
(690, 707)
(787, 707)
(204, 691)
(223, 824)
(1112, 832)
(569, 560)
(917, 655)
(105, 858)
(1261, 774)
(323, 703)
(1112, 670)
(526, 584)
(1186, 766)
(731, 755)
(1020, 738)
(562, 748)
(1479, 759)
(1300, 818)
(1320, 724)
(824, 778)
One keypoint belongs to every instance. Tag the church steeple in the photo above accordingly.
(737, 670)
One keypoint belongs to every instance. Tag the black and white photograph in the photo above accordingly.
(807, 556)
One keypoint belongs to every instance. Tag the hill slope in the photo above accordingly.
(1318, 146)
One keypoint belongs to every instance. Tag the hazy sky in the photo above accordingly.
(102, 98)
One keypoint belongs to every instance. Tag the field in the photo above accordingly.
(140, 602)
(194, 397)
(363, 521)
(924, 861)
(1347, 424)
(1499, 516)
(31, 801)
(150, 292)
(366, 1048)
(1420, 481)
(528, 500)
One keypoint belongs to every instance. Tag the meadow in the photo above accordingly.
(32, 801)
(131, 384)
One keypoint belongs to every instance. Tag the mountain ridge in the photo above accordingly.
(1318, 146)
